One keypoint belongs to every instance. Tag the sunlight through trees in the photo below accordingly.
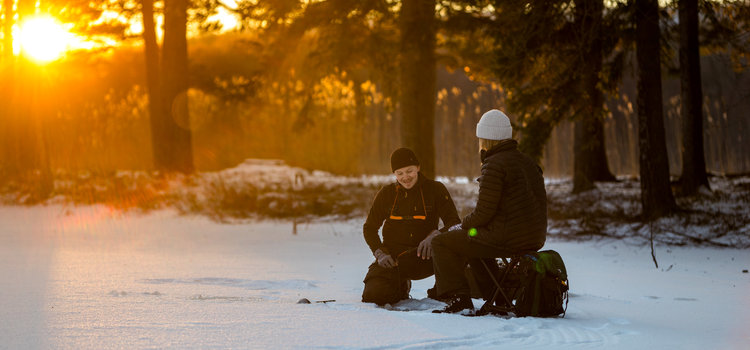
(337, 85)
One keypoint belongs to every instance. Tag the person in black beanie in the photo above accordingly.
(409, 211)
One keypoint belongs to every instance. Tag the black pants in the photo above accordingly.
(390, 285)
(450, 253)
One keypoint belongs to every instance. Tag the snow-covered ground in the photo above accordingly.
(92, 278)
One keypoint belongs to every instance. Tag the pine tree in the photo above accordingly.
(656, 194)
(175, 150)
(418, 83)
(548, 56)
(590, 158)
(691, 97)
(153, 83)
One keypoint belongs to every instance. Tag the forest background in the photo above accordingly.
(180, 86)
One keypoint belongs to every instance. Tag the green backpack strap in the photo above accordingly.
(538, 265)
(553, 264)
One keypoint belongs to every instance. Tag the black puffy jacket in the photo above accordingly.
(511, 211)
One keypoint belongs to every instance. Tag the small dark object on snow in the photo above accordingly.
(744, 271)
(307, 301)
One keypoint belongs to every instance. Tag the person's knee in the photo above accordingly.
(378, 296)
(442, 244)
(439, 241)
(372, 296)
(380, 291)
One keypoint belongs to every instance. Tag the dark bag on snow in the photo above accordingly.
(544, 287)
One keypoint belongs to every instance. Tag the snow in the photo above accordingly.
(89, 277)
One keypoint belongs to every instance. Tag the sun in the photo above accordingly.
(42, 38)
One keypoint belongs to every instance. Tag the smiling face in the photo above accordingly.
(407, 176)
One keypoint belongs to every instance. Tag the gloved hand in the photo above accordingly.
(424, 250)
(385, 259)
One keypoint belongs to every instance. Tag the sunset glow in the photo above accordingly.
(43, 39)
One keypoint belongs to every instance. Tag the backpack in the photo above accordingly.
(544, 286)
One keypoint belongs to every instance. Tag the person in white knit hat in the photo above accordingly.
(510, 216)
(494, 126)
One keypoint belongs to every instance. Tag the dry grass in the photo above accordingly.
(611, 211)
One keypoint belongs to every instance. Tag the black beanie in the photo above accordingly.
(403, 157)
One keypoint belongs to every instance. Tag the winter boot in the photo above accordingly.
(432, 294)
(456, 304)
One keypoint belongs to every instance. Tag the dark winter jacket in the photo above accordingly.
(402, 234)
(511, 211)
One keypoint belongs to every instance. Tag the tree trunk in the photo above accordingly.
(176, 141)
(6, 89)
(26, 149)
(534, 136)
(15, 138)
(590, 158)
(582, 155)
(418, 81)
(157, 114)
(656, 195)
(7, 31)
(691, 97)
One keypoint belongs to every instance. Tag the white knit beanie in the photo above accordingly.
(494, 125)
